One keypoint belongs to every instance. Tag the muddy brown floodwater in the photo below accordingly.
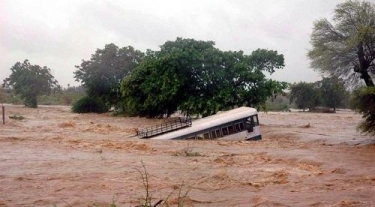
(54, 157)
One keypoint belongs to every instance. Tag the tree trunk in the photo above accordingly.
(363, 66)
(367, 78)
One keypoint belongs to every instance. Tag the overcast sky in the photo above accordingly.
(60, 33)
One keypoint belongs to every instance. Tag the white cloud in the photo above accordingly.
(60, 33)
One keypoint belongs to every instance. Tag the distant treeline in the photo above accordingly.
(66, 96)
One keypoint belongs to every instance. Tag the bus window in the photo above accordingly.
(225, 131)
(256, 121)
(213, 135)
(237, 127)
(242, 126)
(218, 134)
(249, 126)
(231, 130)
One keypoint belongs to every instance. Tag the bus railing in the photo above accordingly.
(165, 127)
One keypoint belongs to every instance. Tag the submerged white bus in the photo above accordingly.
(240, 123)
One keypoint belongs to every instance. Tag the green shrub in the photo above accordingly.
(88, 105)
(363, 101)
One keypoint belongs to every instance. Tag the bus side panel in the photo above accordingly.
(237, 136)
(255, 134)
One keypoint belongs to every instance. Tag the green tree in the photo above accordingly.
(305, 95)
(166, 78)
(102, 74)
(333, 93)
(347, 45)
(197, 78)
(30, 81)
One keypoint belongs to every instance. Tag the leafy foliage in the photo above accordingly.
(329, 92)
(102, 74)
(30, 81)
(197, 78)
(346, 49)
(333, 93)
(89, 104)
(347, 45)
(363, 101)
(305, 95)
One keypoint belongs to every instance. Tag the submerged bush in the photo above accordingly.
(363, 101)
(88, 105)
(17, 117)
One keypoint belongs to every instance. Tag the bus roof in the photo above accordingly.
(211, 121)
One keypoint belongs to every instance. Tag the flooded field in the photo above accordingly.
(54, 157)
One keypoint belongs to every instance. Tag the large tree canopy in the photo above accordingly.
(329, 92)
(332, 92)
(197, 78)
(102, 74)
(347, 46)
(304, 95)
(30, 81)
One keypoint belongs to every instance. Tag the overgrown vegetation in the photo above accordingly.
(17, 117)
(304, 95)
(345, 48)
(363, 101)
(329, 93)
(30, 81)
(102, 74)
(187, 75)
(89, 104)
(332, 93)
(195, 77)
